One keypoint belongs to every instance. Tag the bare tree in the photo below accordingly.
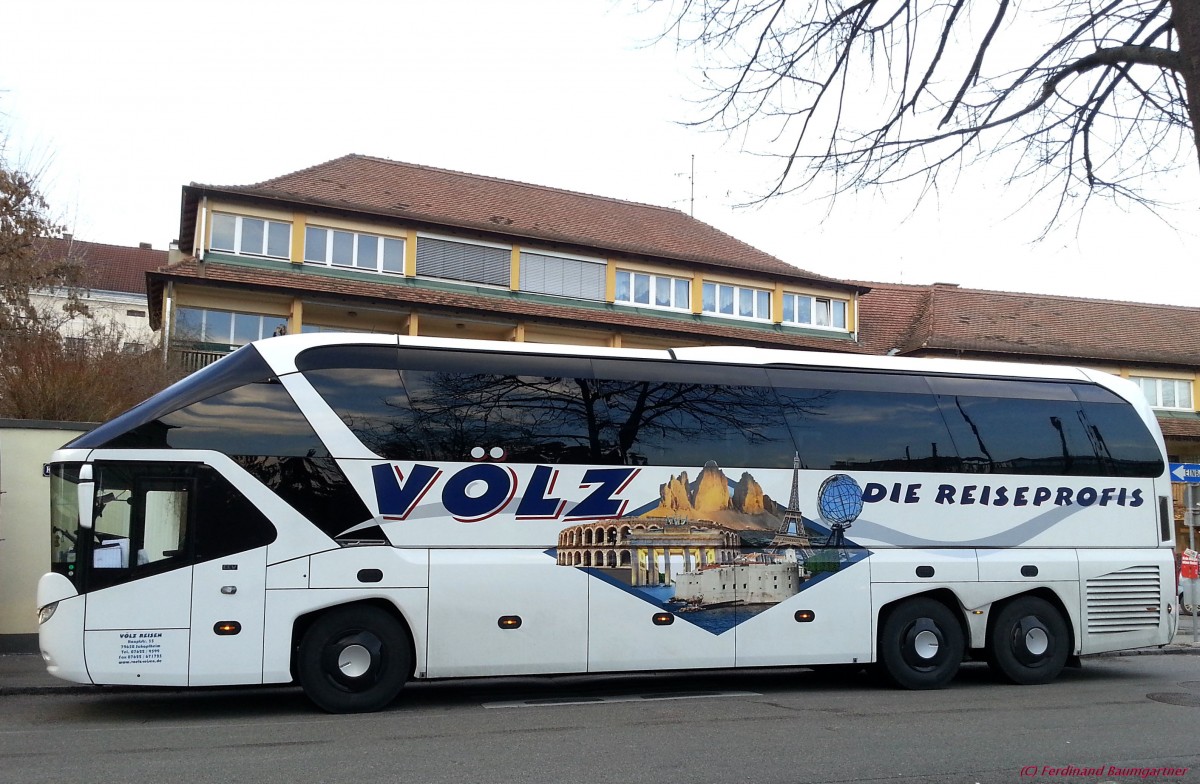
(24, 268)
(47, 371)
(1097, 96)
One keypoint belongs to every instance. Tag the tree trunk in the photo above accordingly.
(1186, 16)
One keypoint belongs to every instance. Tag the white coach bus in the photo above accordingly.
(353, 511)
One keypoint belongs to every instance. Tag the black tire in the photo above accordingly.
(1029, 642)
(921, 645)
(354, 660)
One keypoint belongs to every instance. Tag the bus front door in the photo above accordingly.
(167, 603)
(138, 577)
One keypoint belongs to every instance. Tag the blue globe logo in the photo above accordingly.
(839, 501)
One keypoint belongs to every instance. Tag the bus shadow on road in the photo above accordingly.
(160, 704)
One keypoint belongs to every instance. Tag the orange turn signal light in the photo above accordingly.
(805, 616)
(227, 628)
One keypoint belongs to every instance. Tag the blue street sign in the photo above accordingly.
(1185, 472)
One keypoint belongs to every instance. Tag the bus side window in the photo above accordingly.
(141, 522)
(164, 521)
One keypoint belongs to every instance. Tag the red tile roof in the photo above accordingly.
(427, 196)
(284, 280)
(942, 317)
(110, 267)
(1173, 428)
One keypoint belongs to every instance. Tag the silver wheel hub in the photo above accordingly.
(1037, 641)
(354, 661)
(925, 644)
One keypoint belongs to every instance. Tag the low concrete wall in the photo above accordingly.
(25, 447)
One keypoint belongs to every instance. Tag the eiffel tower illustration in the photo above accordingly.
(791, 531)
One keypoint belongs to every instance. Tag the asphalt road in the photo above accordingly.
(776, 726)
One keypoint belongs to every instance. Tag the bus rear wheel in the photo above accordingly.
(1029, 641)
(354, 660)
(921, 645)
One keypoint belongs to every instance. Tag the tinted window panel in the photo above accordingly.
(243, 366)
(254, 419)
(573, 410)
(1011, 435)
(1122, 440)
(225, 521)
(316, 488)
(837, 429)
(555, 410)
(690, 424)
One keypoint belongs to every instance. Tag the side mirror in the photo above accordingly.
(86, 495)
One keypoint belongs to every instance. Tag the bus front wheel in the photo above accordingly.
(1029, 642)
(354, 660)
(921, 645)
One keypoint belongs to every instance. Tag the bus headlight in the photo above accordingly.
(47, 612)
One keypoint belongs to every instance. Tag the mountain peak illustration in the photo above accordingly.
(710, 491)
(712, 498)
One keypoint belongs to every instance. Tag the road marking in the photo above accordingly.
(557, 701)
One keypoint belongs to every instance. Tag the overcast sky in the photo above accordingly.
(121, 103)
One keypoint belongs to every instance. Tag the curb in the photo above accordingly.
(1182, 650)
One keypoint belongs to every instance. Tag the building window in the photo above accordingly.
(562, 277)
(808, 311)
(724, 300)
(352, 250)
(251, 236)
(226, 328)
(656, 291)
(1166, 392)
(465, 261)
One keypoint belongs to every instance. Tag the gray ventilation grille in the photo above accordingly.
(1125, 601)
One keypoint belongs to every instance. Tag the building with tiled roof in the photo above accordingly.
(946, 320)
(370, 244)
(115, 286)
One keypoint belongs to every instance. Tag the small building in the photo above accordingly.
(114, 292)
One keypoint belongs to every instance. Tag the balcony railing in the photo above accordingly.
(192, 360)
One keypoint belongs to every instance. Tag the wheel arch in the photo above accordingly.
(943, 596)
(303, 622)
(1047, 595)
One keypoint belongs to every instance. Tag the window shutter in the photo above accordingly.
(561, 277)
(462, 261)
